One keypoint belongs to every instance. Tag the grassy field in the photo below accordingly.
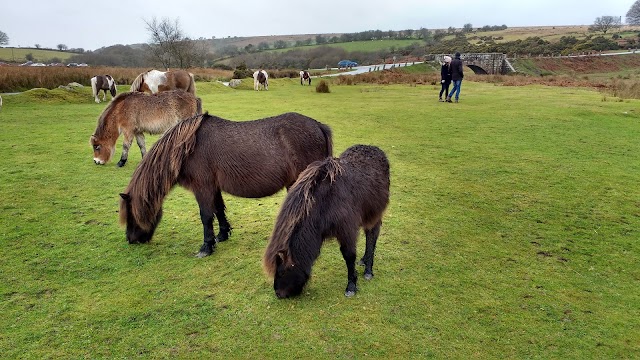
(512, 232)
(365, 46)
(39, 55)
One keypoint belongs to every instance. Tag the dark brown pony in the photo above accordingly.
(305, 77)
(206, 155)
(331, 198)
(104, 83)
(132, 114)
(155, 81)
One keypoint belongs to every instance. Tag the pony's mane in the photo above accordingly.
(135, 85)
(297, 205)
(102, 124)
(158, 171)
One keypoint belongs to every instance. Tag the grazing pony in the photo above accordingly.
(155, 81)
(133, 114)
(331, 198)
(305, 77)
(260, 77)
(207, 154)
(103, 82)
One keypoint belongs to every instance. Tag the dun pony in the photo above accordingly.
(132, 114)
(103, 82)
(207, 155)
(305, 77)
(155, 81)
(331, 198)
(260, 78)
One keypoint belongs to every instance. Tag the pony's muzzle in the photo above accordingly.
(98, 161)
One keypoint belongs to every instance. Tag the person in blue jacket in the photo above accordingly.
(456, 77)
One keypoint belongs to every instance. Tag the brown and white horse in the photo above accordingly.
(155, 81)
(305, 77)
(260, 77)
(134, 113)
(103, 82)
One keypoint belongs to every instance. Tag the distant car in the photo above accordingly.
(38, 64)
(28, 63)
(82, 65)
(72, 64)
(347, 64)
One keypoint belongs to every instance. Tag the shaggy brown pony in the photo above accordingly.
(155, 81)
(207, 154)
(331, 198)
(133, 114)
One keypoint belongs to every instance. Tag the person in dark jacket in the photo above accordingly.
(456, 77)
(445, 76)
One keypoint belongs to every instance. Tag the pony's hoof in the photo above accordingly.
(349, 293)
(361, 262)
(121, 163)
(222, 237)
(368, 276)
(202, 254)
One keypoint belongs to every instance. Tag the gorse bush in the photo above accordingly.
(322, 87)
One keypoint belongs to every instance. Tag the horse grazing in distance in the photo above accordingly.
(103, 82)
(305, 77)
(207, 155)
(155, 81)
(331, 198)
(134, 113)
(260, 78)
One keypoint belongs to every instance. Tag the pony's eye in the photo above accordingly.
(96, 147)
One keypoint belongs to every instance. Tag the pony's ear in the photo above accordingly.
(125, 197)
(279, 258)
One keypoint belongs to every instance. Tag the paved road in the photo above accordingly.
(365, 69)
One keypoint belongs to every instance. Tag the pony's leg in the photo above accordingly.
(348, 250)
(126, 145)
(223, 224)
(141, 144)
(367, 260)
(104, 95)
(206, 203)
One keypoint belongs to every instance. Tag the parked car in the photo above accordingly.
(82, 65)
(38, 64)
(347, 64)
(72, 64)
(28, 63)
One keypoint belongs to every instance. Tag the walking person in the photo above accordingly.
(445, 76)
(456, 77)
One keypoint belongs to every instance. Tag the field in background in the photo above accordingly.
(512, 233)
(18, 55)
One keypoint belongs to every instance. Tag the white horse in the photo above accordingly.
(260, 77)
(103, 82)
(305, 77)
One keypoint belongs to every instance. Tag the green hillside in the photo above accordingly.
(39, 55)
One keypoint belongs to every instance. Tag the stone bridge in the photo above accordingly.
(480, 63)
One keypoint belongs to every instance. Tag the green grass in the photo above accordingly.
(512, 232)
(39, 55)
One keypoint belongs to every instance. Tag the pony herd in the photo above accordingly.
(328, 197)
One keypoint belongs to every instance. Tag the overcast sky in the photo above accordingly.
(94, 24)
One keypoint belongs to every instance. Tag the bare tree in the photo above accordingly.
(37, 46)
(170, 47)
(62, 47)
(4, 38)
(633, 15)
(606, 23)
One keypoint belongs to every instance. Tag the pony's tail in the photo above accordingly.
(328, 138)
(94, 86)
(158, 171)
(198, 105)
(192, 87)
(297, 205)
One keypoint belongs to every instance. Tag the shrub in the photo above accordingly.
(322, 87)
